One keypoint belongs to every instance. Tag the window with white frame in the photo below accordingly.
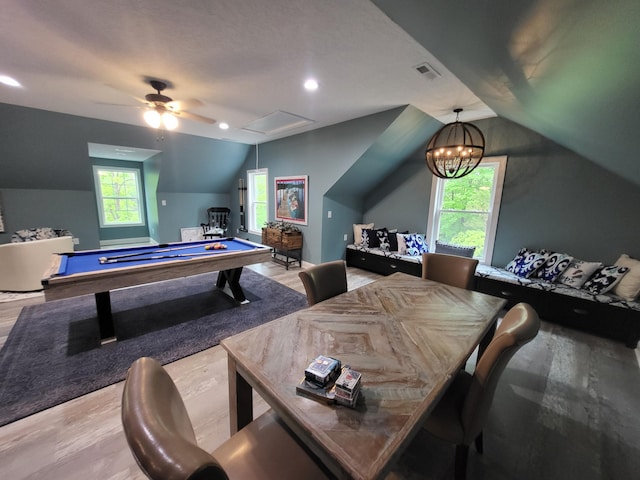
(119, 196)
(464, 211)
(257, 199)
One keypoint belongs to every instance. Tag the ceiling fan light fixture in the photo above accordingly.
(455, 150)
(170, 121)
(153, 119)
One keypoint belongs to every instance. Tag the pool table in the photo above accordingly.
(99, 271)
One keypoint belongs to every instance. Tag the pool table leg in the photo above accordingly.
(232, 276)
(105, 320)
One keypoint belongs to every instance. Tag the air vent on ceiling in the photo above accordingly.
(277, 122)
(428, 71)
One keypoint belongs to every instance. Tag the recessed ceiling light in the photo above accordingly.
(223, 126)
(12, 82)
(311, 84)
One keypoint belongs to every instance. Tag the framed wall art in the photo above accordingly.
(291, 199)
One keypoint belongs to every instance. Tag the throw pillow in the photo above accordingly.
(578, 272)
(383, 239)
(629, 287)
(555, 265)
(451, 249)
(357, 231)
(415, 244)
(402, 243)
(369, 238)
(393, 241)
(604, 279)
(526, 262)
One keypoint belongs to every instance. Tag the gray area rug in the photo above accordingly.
(53, 352)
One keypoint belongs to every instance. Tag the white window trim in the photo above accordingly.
(96, 180)
(437, 190)
(250, 201)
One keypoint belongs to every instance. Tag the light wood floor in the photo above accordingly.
(566, 408)
(82, 439)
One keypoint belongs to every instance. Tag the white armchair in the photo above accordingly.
(22, 264)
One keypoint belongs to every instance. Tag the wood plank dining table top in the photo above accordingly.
(407, 337)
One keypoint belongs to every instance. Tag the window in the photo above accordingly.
(464, 211)
(118, 193)
(257, 199)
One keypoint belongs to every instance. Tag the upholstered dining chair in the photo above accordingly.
(460, 415)
(450, 269)
(324, 281)
(161, 437)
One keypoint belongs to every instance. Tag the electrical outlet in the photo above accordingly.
(76, 241)
(164, 203)
(329, 214)
(345, 237)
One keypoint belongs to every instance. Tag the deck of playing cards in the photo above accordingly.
(347, 387)
(322, 370)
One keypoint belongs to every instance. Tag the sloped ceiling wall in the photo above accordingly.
(567, 69)
(411, 129)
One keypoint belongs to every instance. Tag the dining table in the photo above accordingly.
(406, 336)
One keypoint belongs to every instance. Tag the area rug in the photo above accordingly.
(53, 353)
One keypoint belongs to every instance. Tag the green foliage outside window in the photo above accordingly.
(259, 206)
(466, 203)
(120, 197)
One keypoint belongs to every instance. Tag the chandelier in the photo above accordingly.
(455, 150)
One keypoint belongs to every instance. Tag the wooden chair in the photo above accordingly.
(217, 224)
(324, 281)
(462, 412)
(161, 437)
(450, 269)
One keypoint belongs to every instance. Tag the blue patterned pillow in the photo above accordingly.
(604, 279)
(555, 266)
(415, 244)
(526, 262)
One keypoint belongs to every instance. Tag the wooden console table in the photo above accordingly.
(287, 246)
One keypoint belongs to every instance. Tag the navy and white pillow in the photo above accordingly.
(604, 279)
(415, 244)
(555, 265)
(526, 262)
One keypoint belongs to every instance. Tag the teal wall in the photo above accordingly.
(324, 155)
(552, 199)
(46, 178)
(366, 170)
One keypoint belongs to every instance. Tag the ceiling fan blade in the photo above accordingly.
(197, 118)
(181, 105)
(118, 105)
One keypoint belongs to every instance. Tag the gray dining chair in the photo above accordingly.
(161, 437)
(460, 416)
(324, 281)
(449, 269)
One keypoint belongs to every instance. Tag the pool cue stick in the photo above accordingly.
(170, 249)
(158, 257)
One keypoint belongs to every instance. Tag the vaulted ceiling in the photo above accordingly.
(568, 69)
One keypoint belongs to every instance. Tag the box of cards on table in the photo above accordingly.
(347, 387)
(322, 370)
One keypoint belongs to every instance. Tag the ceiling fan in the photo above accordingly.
(163, 110)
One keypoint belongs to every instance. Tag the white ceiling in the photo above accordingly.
(244, 59)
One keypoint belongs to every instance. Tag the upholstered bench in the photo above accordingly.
(606, 315)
